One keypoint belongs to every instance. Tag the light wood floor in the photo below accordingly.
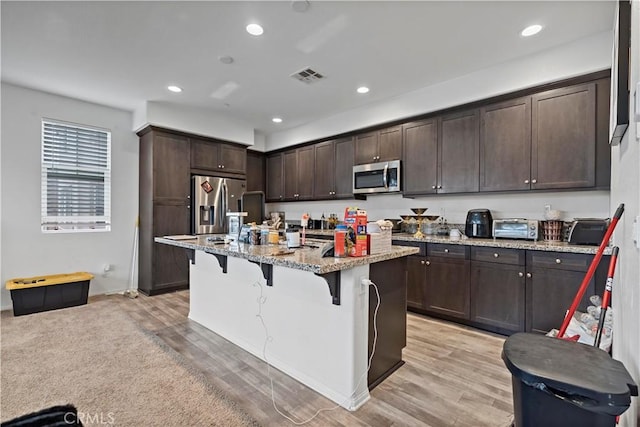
(453, 376)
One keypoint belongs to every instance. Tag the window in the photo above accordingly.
(76, 178)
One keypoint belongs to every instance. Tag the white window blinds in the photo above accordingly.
(76, 178)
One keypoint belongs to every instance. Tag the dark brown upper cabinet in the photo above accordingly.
(256, 171)
(563, 138)
(379, 146)
(275, 177)
(420, 161)
(546, 141)
(298, 173)
(218, 157)
(169, 171)
(505, 145)
(458, 152)
(441, 154)
(333, 169)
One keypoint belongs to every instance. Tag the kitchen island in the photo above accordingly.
(307, 315)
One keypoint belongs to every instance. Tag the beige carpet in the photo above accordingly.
(97, 359)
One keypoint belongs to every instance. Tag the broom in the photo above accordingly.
(131, 292)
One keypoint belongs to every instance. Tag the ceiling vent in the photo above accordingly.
(307, 75)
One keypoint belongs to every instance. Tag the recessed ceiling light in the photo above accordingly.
(175, 89)
(362, 89)
(254, 29)
(276, 120)
(531, 30)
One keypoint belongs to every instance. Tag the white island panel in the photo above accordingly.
(320, 344)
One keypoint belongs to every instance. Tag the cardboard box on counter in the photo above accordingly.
(356, 221)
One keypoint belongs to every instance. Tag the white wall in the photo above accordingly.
(580, 57)
(197, 121)
(625, 188)
(578, 204)
(26, 250)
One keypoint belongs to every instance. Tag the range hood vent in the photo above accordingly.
(307, 75)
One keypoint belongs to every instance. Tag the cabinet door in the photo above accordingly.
(171, 168)
(204, 155)
(255, 171)
(420, 161)
(550, 293)
(275, 178)
(306, 171)
(324, 170)
(170, 265)
(366, 148)
(390, 144)
(563, 147)
(290, 161)
(505, 146)
(498, 295)
(447, 287)
(416, 275)
(233, 159)
(344, 160)
(458, 150)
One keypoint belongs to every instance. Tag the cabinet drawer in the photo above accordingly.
(559, 260)
(498, 255)
(448, 251)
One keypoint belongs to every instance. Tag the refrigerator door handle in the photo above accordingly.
(224, 202)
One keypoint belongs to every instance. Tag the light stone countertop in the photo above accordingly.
(492, 243)
(304, 258)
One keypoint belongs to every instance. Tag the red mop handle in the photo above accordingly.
(605, 297)
(607, 289)
(591, 271)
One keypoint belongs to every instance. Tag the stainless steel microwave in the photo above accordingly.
(382, 177)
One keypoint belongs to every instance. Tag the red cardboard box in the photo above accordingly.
(356, 221)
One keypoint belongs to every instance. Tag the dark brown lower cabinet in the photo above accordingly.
(553, 279)
(500, 290)
(164, 268)
(416, 278)
(498, 295)
(446, 289)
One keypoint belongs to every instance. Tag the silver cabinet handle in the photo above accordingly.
(433, 187)
(222, 166)
(428, 262)
(520, 274)
(526, 181)
(529, 275)
(422, 262)
(496, 255)
(446, 251)
(558, 261)
(439, 186)
(533, 181)
(219, 166)
(188, 207)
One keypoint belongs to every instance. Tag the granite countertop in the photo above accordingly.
(492, 243)
(304, 258)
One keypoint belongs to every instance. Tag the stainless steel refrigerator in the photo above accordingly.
(212, 197)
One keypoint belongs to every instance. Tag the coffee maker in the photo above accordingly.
(479, 223)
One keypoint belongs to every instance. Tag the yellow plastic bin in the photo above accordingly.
(42, 293)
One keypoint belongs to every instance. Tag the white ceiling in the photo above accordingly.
(122, 54)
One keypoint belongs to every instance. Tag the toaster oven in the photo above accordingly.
(516, 228)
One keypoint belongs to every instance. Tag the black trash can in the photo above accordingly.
(565, 384)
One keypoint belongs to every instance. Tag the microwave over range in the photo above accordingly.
(382, 177)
